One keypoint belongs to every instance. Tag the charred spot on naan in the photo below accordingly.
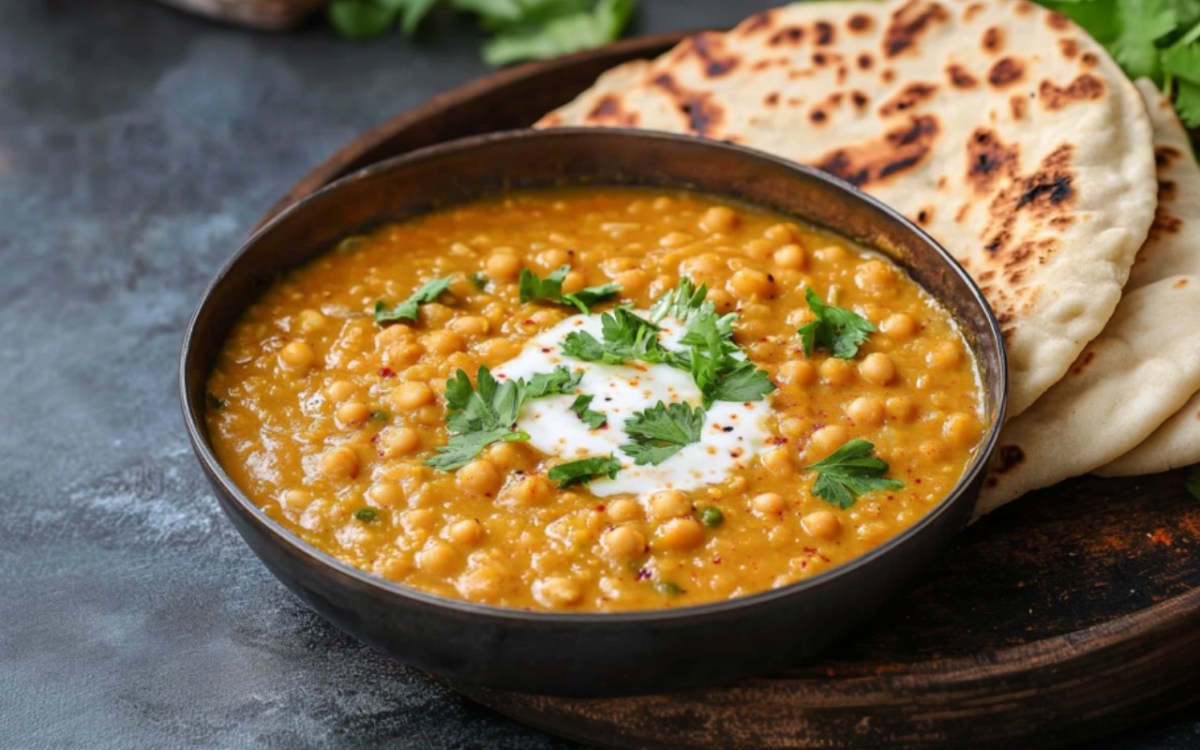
(704, 116)
(960, 78)
(910, 96)
(1069, 48)
(791, 35)
(756, 22)
(860, 23)
(909, 23)
(989, 159)
(709, 49)
(1081, 364)
(608, 111)
(871, 162)
(824, 33)
(1008, 457)
(1085, 87)
(993, 40)
(1006, 72)
(1018, 105)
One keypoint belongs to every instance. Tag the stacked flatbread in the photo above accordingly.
(1014, 140)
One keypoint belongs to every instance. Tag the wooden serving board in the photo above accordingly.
(1069, 614)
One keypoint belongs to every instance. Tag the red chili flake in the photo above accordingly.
(528, 322)
(777, 440)
(387, 372)
(375, 438)
(735, 453)
(717, 560)
(599, 508)
(644, 575)
(727, 428)
(545, 350)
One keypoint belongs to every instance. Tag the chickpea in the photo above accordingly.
(429, 415)
(532, 490)
(623, 510)
(297, 355)
(722, 299)
(832, 254)
(400, 441)
(878, 368)
(296, 500)
(749, 283)
(793, 427)
(703, 268)
(827, 440)
(623, 542)
(420, 519)
(438, 559)
(411, 396)
(633, 282)
(308, 321)
(503, 266)
(797, 372)
(403, 354)
(681, 534)
(865, 411)
(465, 532)
(898, 326)
(505, 455)
(669, 504)
(778, 462)
(900, 408)
(553, 259)
(790, 257)
(443, 342)
(470, 325)
(386, 494)
(874, 277)
(479, 477)
(932, 450)
(435, 314)
(781, 232)
(836, 371)
(340, 391)
(353, 412)
(943, 356)
(719, 219)
(822, 524)
(498, 349)
(872, 532)
(674, 239)
(558, 591)
(962, 429)
(393, 568)
(341, 463)
(485, 583)
(573, 282)
(769, 503)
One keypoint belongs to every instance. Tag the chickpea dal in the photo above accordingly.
(596, 400)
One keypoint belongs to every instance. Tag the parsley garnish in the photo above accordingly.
(662, 431)
(480, 281)
(593, 419)
(408, 309)
(682, 302)
(550, 289)
(626, 337)
(584, 470)
(380, 416)
(839, 330)
(852, 470)
(1159, 39)
(366, 515)
(720, 375)
(487, 413)
(1193, 482)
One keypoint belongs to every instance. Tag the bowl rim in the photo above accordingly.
(284, 536)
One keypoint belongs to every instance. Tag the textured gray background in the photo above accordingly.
(137, 146)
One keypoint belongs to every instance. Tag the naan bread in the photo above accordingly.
(1176, 249)
(1001, 128)
(1142, 368)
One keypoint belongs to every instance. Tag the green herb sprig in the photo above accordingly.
(590, 417)
(852, 470)
(409, 309)
(836, 329)
(662, 431)
(549, 289)
(584, 470)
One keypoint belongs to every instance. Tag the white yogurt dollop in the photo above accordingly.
(734, 432)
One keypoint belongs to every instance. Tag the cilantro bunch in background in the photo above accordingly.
(519, 29)
(1157, 39)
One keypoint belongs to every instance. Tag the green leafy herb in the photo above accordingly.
(584, 470)
(550, 289)
(380, 416)
(559, 35)
(213, 403)
(716, 364)
(486, 412)
(852, 470)
(1193, 482)
(366, 515)
(626, 337)
(712, 517)
(1159, 39)
(666, 588)
(409, 308)
(361, 19)
(480, 281)
(662, 431)
(682, 302)
(839, 330)
(593, 419)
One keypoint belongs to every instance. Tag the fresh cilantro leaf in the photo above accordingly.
(1181, 64)
(666, 588)
(461, 449)
(662, 431)
(745, 382)
(559, 381)
(480, 281)
(366, 515)
(852, 470)
(1193, 482)
(626, 337)
(380, 416)
(408, 309)
(412, 12)
(593, 419)
(584, 470)
(361, 19)
(712, 360)
(839, 330)
(550, 289)
(681, 302)
(560, 35)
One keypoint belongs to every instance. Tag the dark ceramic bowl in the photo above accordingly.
(586, 654)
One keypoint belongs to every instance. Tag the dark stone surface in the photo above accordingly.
(137, 146)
